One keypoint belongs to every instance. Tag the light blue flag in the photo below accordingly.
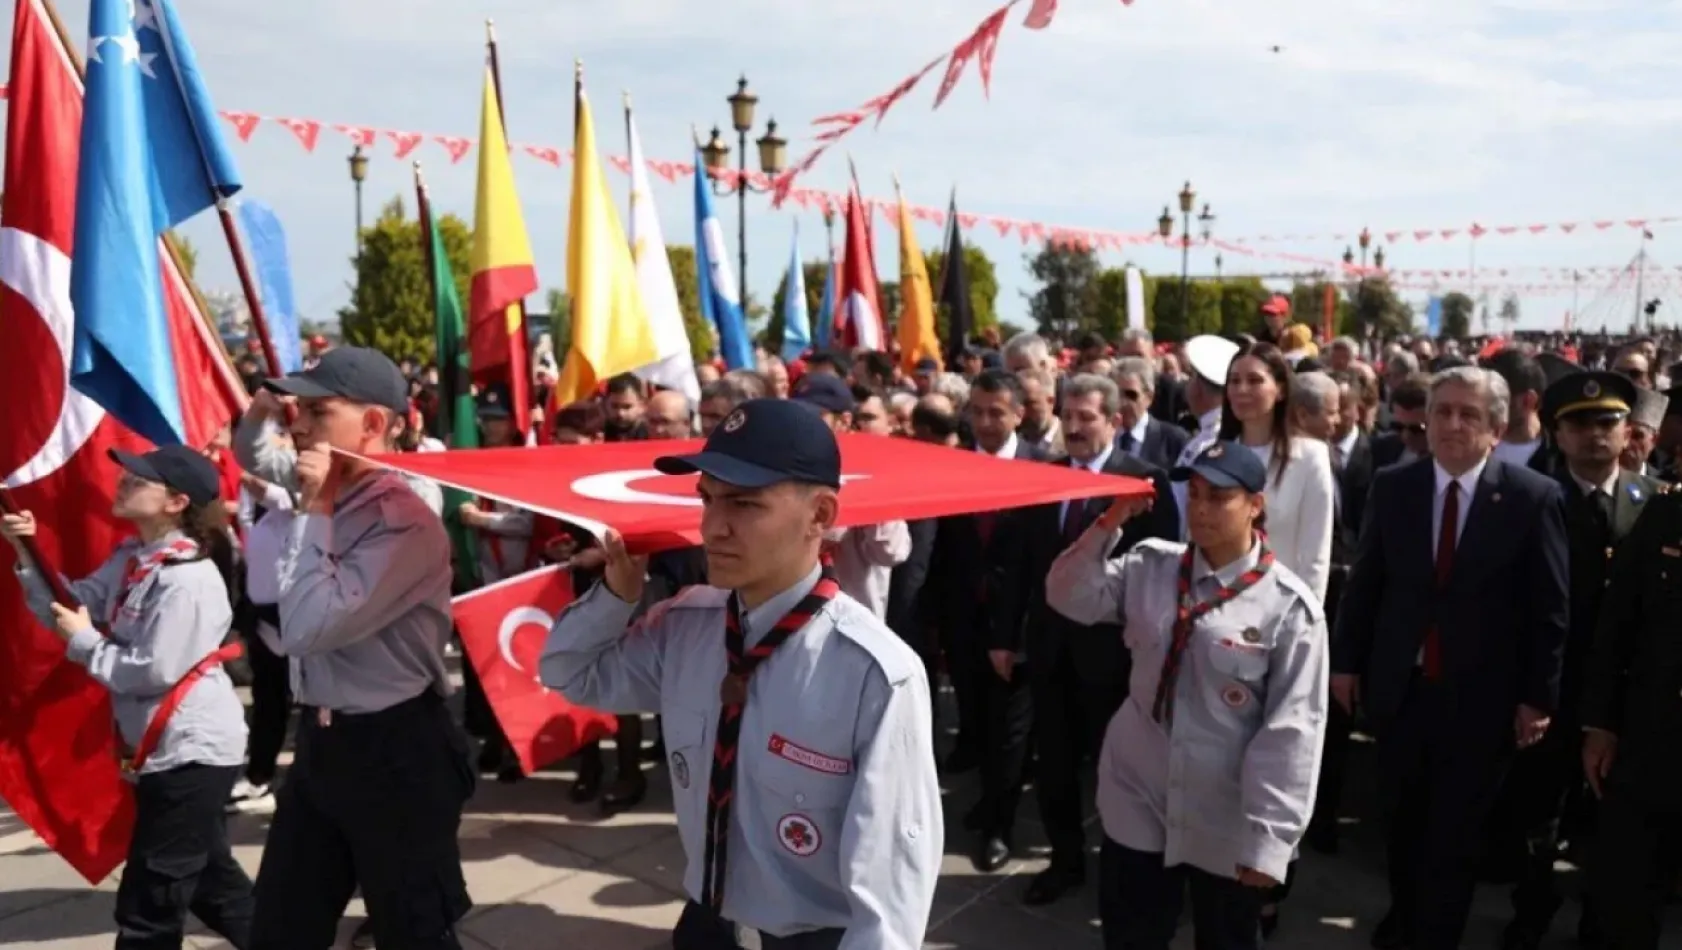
(824, 326)
(797, 332)
(265, 239)
(716, 285)
(1434, 317)
(152, 157)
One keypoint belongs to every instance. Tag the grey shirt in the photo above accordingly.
(364, 593)
(1229, 779)
(164, 625)
(836, 820)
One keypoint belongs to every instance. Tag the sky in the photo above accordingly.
(1428, 115)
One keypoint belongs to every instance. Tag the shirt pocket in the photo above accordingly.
(687, 759)
(1238, 661)
(806, 790)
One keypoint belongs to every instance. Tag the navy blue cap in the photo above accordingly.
(176, 467)
(493, 402)
(349, 372)
(928, 364)
(826, 392)
(1226, 465)
(765, 442)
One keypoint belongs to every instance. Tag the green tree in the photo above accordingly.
(887, 294)
(391, 305)
(1109, 302)
(1377, 306)
(1308, 305)
(559, 304)
(1457, 315)
(813, 273)
(1066, 303)
(983, 288)
(1241, 300)
(1509, 310)
(187, 253)
(1180, 314)
(701, 341)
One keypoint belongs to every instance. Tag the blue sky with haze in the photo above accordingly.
(1428, 114)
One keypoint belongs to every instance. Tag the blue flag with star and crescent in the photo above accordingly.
(152, 157)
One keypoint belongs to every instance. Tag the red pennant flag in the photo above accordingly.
(58, 765)
(987, 43)
(244, 123)
(308, 131)
(544, 153)
(358, 134)
(615, 484)
(1040, 14)
(406, 142)
(502, 630)
(457, 146)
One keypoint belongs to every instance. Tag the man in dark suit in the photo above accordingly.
(1449, 635)
(995, 715)
(1076, 674)
(1403, 438)
(1141, 434)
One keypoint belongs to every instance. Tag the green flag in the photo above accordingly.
(458, 418)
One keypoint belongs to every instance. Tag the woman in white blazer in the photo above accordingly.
(1299, 489)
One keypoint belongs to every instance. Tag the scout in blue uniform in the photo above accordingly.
(797, 725)
(162, 600)
(1208, 770)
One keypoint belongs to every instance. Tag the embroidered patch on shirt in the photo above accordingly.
(800, 755)
(1249, 649)
(680, 770)
(798, 835)
(1235, 696)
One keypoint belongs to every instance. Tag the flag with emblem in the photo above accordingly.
(675, 368)
(714, 283)
(152, 156)
(858, 314)
(58, 766)
(503, 272)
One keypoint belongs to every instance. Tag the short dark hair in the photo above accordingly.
(995, 381)
(1091, 340)
(834, 359)
(941, 425)
(626, 383)
(1411, 393)
(1520, 370)
(585, 417)
(863, 392)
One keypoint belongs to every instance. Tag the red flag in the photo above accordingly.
(858, 304)
(615, 484)
(502, 629)
(58, 766)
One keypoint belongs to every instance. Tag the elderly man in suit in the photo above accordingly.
(1077, 674)
(1141, 433)
(1449, 636)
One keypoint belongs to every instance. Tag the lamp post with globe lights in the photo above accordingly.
(1165, 227)
(773, 158)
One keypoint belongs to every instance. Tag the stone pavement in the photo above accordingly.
(545, 873)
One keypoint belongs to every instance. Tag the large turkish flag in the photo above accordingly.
(615, 484)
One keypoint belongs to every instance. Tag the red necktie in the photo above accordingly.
(1445, 567)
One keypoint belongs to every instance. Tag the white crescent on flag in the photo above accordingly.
(511, 624)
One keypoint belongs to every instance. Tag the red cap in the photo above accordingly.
(1277, 305)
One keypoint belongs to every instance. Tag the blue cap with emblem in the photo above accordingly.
(349, 372)
(176, 467)
(1226, 465)
(765, 442)
(826, 392)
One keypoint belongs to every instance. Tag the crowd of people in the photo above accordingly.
(1463, 549)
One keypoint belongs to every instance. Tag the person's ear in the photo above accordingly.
(826, 509)
(175, 503)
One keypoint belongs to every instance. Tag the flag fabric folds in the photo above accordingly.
(858, 318)
(265, 241)
(152, 156)
(954, 289)
(675, 366)
(58, 766)
(918, 338)
(503, 272)
(823, 329)
(797, 335)
(610, 329)
(717, 285)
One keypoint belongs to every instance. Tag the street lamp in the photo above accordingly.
(1364, 240)
(1348, 257)
(773, 158)
(1378, 259)
(1206, 226)
(358, 174)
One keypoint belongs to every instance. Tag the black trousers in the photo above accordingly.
(1072, 708)
(271, 709)
(1544, 786)
(1139, 903)
(372, 802)
(967, 669)
(1443, 773)
(179, 860)
(1008, 720)
(701, 929)
(1638, 835)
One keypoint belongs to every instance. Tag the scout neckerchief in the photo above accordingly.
(1188, 613)
(137, 569)
(733, 695)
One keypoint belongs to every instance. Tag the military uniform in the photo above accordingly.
(1545, 789)
(1209, 357)
(834, 831)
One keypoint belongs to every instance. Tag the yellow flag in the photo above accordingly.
(503, 271)
(917, 337)
(610, 329)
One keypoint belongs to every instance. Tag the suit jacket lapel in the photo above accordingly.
(1629, 497)
(1483, 520)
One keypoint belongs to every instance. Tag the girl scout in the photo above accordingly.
(1208, 770)
(161, 608)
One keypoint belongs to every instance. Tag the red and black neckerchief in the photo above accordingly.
(733, 695)
(1186, 618)
(136, 569)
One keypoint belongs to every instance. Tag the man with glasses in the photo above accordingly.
(1404, 437)
(1633, 363)
(1142, 435)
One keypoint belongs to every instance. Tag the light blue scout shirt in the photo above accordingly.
(364, 592)
(175, 617)
(1229, 780)
(837, 817)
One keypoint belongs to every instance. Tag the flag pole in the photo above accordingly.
(494, 60)
(423, 206)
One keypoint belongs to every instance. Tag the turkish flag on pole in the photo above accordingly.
(616, 485)
(502, 628)
(858, 303)
(58, 766)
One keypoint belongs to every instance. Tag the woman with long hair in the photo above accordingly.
(1207, 775)
(163, 609)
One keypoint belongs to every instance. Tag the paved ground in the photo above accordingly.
(545, 873)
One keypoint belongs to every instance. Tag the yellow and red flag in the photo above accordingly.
(503, 271)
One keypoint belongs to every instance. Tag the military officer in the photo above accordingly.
(1208, 358)
(1587, 414)
(797, 725)
(381, 772)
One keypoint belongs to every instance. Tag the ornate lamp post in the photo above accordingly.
(358, 163)
(773, 158)
(1165, 227)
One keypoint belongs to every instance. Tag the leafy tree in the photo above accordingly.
(701, 342)
(887, 294)
(1308, 305)
(814, 273)
(1109, 302)
(1065, 304)
(1457, 315)
(559, 305)
(1008, 329)
(1241, 300)
(391, 306)
(1377, 306)
(983, 287)
(1180, 314)
(188, 254)
(1509, 310)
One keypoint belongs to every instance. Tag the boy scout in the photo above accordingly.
(380, 774)
(825, 831)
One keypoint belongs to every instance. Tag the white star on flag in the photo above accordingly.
(143, 15)
(93, 48)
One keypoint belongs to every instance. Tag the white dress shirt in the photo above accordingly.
(1095, 466)
(1007, 451)
(1468, 483)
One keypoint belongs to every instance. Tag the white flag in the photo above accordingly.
(676, 367)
